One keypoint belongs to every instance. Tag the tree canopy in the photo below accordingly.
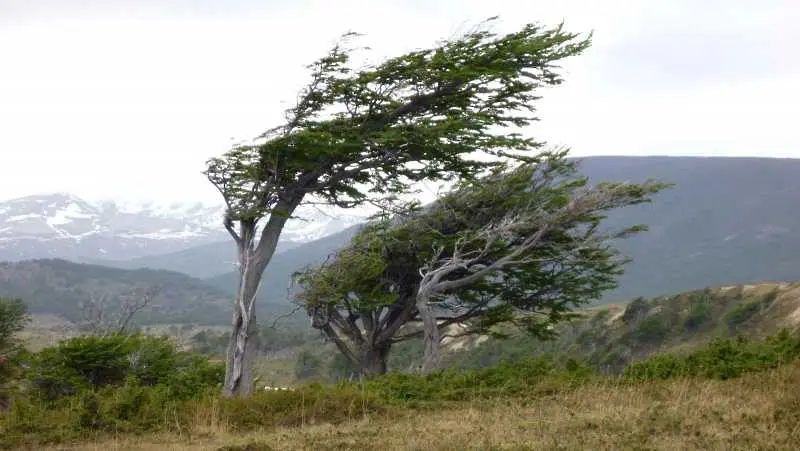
(368, 134)
(522, 246)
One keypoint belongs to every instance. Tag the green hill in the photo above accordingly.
(613, 336)
(58, 287)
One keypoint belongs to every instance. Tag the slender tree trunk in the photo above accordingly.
(242, 346)
(432, 341)
(253, 260)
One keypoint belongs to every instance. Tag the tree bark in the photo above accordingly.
(253, 260)
(242, 346)
(373, 362)
(430, 329)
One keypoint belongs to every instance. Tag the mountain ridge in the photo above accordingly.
(62, 225)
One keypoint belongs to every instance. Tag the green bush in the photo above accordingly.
(93, 362)
(651, 330)
(699, 314)
(722, 359)
(506, 379)
(742, 313)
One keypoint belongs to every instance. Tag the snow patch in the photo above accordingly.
(23, 217)
(66, 215)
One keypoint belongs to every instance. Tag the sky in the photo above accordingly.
(113, 99)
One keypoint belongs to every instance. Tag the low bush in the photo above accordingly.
(722, 359)
(93, 362)
(699, 314)
(527, 376)
(742, 313)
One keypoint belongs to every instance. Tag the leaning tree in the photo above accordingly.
(365, 134)
(523, 246)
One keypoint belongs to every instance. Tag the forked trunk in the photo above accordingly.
(432, 341)
(242, 346)
(239, 366)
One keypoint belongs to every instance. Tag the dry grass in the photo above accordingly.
(757, 412)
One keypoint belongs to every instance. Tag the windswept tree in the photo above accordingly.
(366, 134)
(523, 246)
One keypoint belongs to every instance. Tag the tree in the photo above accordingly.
(98, 320)
(522, 246)
(367, 135)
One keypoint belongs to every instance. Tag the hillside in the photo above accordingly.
(612, 336)
(725, 222)
(58, 286)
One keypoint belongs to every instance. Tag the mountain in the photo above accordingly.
(727, 221)
(65, 226)
(59, 286)
(214, 259)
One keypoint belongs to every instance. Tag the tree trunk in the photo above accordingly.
(432, 341)
(242, 346)
(374, 361)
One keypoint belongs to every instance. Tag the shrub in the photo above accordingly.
(742, 313)
(722, 359)
(651, 330)
(92, 362)
(699, 314)
(523, 377)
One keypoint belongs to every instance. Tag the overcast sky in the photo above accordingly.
(128, 98)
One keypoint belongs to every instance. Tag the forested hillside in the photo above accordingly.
(59, 287)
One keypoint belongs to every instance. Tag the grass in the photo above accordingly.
(757, 411)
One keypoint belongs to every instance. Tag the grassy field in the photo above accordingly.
(759, 411)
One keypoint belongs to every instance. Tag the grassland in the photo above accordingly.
(759, 411)
(516, 407)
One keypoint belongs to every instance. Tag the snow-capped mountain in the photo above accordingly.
(65, 226)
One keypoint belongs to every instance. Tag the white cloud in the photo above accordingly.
(110, 101)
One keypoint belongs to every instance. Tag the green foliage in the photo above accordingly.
(525, 377)
(651, 330)
(134, 408)
(742, 313)
(699, 313)
(414, 117)
(722, 359)
(570, 263)
(93, 362)
(13, 318)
